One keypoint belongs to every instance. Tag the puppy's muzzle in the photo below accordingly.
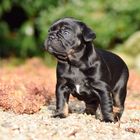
(63, 56)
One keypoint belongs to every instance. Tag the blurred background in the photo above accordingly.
(27, 72)
(24, 26)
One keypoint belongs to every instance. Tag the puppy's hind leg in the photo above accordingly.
(119, 94)
(118, 102)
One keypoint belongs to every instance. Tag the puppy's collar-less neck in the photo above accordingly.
(78, 56)
(73, 54)
(83, 53)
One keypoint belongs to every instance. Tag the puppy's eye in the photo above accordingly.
(66, 32)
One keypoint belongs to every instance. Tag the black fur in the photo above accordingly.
(101, 76)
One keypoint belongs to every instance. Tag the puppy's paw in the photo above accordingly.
(63, 112)
(108, 120)
(59, 115)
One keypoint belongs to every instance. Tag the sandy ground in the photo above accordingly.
(77, 126)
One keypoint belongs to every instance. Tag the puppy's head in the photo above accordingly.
(65, 35)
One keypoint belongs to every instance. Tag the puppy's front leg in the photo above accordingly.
(62, 98)
(106, 106)
(102, 91)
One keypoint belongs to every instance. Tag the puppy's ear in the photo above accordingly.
(87, 33)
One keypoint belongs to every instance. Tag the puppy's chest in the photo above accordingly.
(81, 90)
(78, 84)
(77, 79)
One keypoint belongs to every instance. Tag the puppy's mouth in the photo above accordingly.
(60, 56)
(63, 56)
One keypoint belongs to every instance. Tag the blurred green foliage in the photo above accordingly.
(113, 22)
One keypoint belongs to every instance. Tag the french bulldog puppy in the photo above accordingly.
(95, 76)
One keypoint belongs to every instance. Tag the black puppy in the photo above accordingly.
(97, 77)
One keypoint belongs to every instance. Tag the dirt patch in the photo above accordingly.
(26, 88)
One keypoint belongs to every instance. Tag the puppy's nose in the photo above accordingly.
(47, 46)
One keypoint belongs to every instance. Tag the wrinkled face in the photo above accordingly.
(67, 35)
